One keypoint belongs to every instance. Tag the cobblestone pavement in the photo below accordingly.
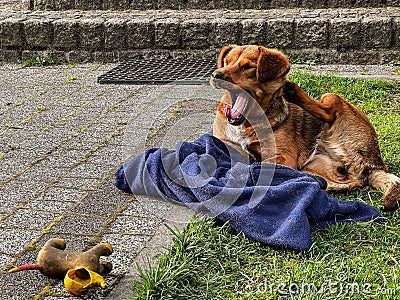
(62, 136)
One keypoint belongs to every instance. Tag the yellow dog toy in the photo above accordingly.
(80, 270)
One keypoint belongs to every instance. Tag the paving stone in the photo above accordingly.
(42, 172)
(100, 161)
(121, 262)
(84, 134)
(28, 257)
(179, 93)
(148, 207)
(50, 189)
(125, 243)
(5, 259)
(13, 242)
(19, 191)
(73, 242)
(134, 225)
(115, 155)
(94, 208)
(8, 207)
(90, 171)
(84, 184)
(33, 281)
(10, 168)
(107, 193)
(80, 225)
(108, 127)
(131, 138)
(29, 219)
(74, 143)
(209, 93)
(41, 143)
(65, 159)
(15, 95)
(50, 206)
(62, 194)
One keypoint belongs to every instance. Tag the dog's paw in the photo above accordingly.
(391, 200)
(289, 91)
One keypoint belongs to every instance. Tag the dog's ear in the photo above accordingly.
(271, 64)
(224, 52)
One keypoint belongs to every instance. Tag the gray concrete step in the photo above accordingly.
(325, 36)
(203, 4)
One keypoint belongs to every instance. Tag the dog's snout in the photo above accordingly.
(218, 75)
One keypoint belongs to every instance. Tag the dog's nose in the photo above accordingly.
(218, 75)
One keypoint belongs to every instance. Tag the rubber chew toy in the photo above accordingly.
(80, 270)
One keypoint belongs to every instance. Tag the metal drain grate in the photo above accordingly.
(150, 71)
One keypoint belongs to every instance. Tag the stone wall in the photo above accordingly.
(346, 36)
(202, 4)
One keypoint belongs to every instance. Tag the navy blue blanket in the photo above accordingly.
(270, 203)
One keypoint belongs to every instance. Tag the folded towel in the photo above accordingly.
(270, 203)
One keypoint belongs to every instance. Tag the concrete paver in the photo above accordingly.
(61, 144)
(61, 141)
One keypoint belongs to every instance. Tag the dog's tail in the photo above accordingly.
(388, 183)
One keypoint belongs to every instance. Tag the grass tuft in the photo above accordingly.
(348, 261)
(39, 62)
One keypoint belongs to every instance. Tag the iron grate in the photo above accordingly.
(151, 71)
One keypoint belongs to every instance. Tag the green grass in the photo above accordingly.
(352, 261)
(39, 62)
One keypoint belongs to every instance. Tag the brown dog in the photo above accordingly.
(331, 138)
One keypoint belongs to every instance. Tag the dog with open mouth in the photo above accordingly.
(269, 119)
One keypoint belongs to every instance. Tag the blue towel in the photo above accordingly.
(273, 204)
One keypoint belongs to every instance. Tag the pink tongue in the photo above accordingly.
(226, 111)
(239, 106)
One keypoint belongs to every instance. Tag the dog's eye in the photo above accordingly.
(246, 67)
(226, 61)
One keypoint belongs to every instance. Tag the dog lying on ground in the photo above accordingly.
(330, 138)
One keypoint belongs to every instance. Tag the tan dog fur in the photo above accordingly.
(331, 137)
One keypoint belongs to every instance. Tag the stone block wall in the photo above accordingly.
(343, 36)
(201, 4)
